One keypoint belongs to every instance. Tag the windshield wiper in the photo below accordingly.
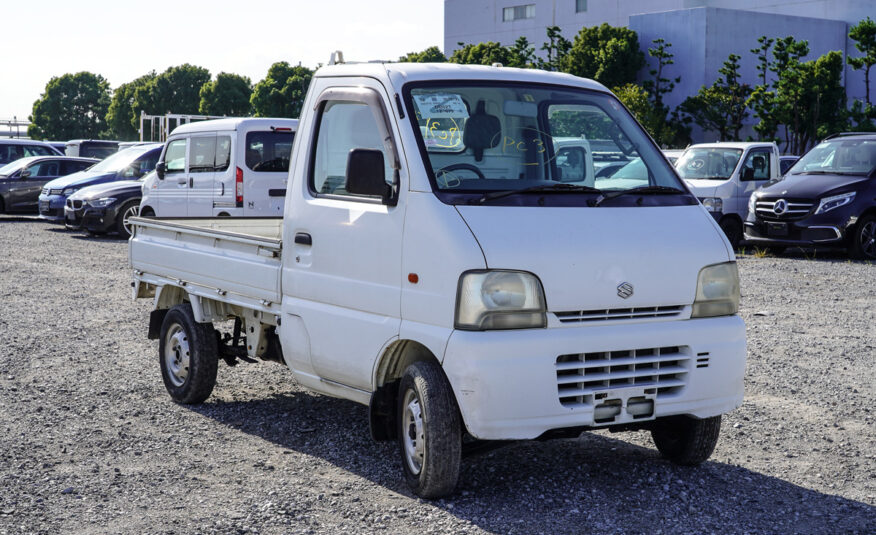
(543, 188)
(844, 173)
(649, 190)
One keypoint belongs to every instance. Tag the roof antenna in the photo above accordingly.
(337, 58)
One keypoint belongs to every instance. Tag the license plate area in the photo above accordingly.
(44, 206)
(624, 405)
(777, 229)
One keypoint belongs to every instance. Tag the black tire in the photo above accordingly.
(733, 230)
(122, 215)
(187, 355)
(147, 211)
(863, 244)
(685, 440)
(2, 206)
(430, 430)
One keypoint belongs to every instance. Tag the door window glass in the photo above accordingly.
(36, 150)
(268, 151)
(43, 169)
(758, 162)
(175, 158)
(343, 126)
(202, 156)
(223, 152)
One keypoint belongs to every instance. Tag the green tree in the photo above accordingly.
(431, 55)
(521, 54)
(723, 107)
(768, 107)
(762, 53)
(121, 117)
(481, 54)
(228, 95)
(606, 54)
(637, 100)
(72, 106)
(667, 131)
(282, 92)
(176, 90)
(660, 86)
(555, 50)
(864, 36)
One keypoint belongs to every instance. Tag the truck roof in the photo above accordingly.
(735, 144)
(401, 73)
(234, 123)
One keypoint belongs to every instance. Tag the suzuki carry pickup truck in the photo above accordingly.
(439, 262)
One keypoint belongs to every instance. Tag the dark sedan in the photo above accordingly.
(827, 199)
(22, 180)
(105, 207)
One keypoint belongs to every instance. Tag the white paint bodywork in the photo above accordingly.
(342, 303)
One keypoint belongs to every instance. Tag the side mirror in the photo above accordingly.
(366, 175)
(160, 169)
(25, 173)
(747, 173)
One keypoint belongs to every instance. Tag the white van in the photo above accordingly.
(224, 167)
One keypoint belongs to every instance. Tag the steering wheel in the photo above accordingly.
(461, 167)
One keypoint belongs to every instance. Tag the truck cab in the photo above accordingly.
(724, 175)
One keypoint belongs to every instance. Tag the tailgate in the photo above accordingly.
(207, 257)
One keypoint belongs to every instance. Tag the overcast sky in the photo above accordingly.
(122, 40)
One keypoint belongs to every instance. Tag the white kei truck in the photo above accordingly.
(434, 264)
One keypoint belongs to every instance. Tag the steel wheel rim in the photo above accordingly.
(413, 434)
(868, 239)
(132, 211)
(177, 355)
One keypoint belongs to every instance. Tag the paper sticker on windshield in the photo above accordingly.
(440, 106)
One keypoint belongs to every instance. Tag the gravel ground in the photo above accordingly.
(91, 443)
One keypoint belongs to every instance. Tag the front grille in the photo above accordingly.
(794, 210)
(581, 375)
(577, 316)
(77, 204)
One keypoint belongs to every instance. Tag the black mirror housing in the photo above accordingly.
(160, 169)
(748, 173)
(24, 173)
(366, 174)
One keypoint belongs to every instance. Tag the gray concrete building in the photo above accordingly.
(703, 33)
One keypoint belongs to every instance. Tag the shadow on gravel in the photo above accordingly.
(592, 483)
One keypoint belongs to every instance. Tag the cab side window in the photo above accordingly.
(756, 166)
(44, 169)
(342, 127)
(175, 156)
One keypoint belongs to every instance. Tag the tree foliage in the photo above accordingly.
(430, 55)
(72, 106)
(282, 92)
(864, 36)
(481, 54)
(555, 48)
(521, 54)
(228, 94)
(660, 85)
(606, 54)
(121, 117)
(722, 107)
(176, 90)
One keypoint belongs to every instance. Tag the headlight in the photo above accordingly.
(102, 202)
(713, 204)
(717, 291)
(499, 299)
(752, 203)
(69, 191)
(829, 203)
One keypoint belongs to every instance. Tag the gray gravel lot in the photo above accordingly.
(90, 442)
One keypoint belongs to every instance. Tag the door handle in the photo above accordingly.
(303, 238)
(191, 182)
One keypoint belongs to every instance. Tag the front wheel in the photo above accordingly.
(864, 239)
(430, 430)
(187, 355)
(129, 210)
(685, 440)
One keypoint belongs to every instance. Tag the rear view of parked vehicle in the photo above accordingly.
(827, 199)
(22, 180)
(105, 208)
(129, 164)
(14, 149)
(223, 167)
(91, 148)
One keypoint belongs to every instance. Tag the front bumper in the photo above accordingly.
(508, 386)
(73, 214)
(51, 207)
(823, 229)
(99, 219)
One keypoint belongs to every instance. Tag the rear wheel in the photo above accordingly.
(685, 440)
(864, 239)
(187, 355)
(128, 210)
(430, 430)
(733, 230)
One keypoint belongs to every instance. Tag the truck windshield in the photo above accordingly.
(485, 137)
(711, 163)
(838, 157)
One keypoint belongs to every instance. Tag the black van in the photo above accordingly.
(91, 148)
(827, 198)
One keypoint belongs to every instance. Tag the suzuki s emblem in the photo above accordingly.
(780, 207)
(625, 290)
